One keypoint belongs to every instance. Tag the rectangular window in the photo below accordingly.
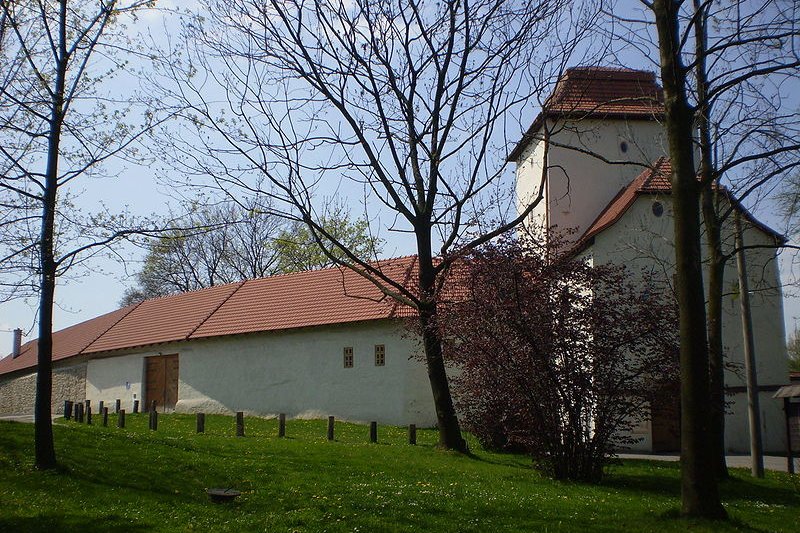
(348, 357)
(380, 355)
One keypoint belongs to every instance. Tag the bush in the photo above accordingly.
(556, 357)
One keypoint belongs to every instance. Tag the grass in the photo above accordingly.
(138, 480)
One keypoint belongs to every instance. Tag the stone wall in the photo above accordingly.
(18, 394)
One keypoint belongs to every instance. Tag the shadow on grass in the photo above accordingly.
(49, 523)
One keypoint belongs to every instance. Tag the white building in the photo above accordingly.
(327, 342)
(597, 154)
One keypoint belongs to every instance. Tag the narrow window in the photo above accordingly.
(348, 357)
(380, 355)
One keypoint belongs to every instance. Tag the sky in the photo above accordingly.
(143, 189)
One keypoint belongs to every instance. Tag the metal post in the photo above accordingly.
(753, 410)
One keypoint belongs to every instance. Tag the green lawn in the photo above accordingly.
(138, 480)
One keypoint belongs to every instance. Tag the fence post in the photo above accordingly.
(117, 406)
(88, 414)
(75, 409)
(373, 432)
(67, 409)
(135, 406)
(121, 419)
(239, 424)
(100, 406)
(154, 420)
(105, 417)
(412, 433)
(330, 428)
(282, 425)
(201, 422)
(80, 413)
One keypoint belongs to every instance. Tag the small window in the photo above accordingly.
(348, 357)
(658, 209)
(380, 355)
(623, 147)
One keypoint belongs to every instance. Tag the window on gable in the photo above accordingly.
(380, 355)
(348, 357)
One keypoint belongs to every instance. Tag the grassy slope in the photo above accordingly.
(137, 480)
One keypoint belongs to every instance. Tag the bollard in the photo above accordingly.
(67, 409)
(75, 409)
(117, 406)
(153, 405)
(100, 406)
(154, 420)
(412, 434)
(121, 419)
(105, 417)
(135, 406)
(88, 406)
(88, 414)
(330, 428)
(282, 425)
(201, 422)
(80, 413)
(239, 424)
(373, 432)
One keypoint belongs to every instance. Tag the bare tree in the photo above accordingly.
(57, 125)
(716, 59)
(407, 101)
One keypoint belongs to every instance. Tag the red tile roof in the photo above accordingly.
(654, 180)
(599, 92)
(67, 342)
(312, 298)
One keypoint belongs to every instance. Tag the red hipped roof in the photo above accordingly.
(313, 298)
(599, 92)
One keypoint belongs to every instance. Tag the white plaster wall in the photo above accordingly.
(643, 242)
(529, 184)
(113, 378)
(579, 185)
(300, 373)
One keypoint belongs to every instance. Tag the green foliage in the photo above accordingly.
(298, 250)
(793, 351)
(138, 480)
(229, 243)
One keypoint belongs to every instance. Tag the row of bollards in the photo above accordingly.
(80, 410)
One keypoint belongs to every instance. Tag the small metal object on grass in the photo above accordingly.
(222, 495)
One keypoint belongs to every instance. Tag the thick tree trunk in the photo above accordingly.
(43, 430)
(449, 429)
(699, 491)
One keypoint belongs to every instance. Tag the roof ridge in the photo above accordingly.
(210, 314)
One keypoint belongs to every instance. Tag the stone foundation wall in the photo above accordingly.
(18, 394)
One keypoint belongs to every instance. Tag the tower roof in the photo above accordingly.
(599, 92)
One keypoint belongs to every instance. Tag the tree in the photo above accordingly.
(405, 100)
(297, 250)
(557, 357)
(229, 242)
(793, 347)
(736, 60)
(57, 126)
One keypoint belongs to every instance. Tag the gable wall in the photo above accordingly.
(643, 242)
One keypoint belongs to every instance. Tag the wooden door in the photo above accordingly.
(665, 419)
(161, 381)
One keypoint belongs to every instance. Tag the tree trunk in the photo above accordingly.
(43, 426)
(699, 491)
(449, 428)
(716, 261)
(716, 353)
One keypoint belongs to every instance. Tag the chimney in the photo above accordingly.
(15, 349)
